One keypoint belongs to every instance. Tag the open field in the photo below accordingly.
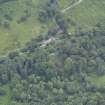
(16, 30)
(5, 100)
(88, 12)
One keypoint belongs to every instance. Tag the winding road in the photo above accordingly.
(71, 6)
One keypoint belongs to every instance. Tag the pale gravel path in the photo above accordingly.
(72, 6)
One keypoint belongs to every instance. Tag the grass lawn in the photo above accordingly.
(5, 100)
(19, 33)
(98, 80)
(65, 3)
(88, 13)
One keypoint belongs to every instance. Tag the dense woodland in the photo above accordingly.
(61, 72)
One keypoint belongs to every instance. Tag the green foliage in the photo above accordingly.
(60, 76)
(67, 71)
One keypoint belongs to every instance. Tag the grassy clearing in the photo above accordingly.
(5, 100)
(65, 3)
(19, 33)
(98, 80)
(88, 12)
